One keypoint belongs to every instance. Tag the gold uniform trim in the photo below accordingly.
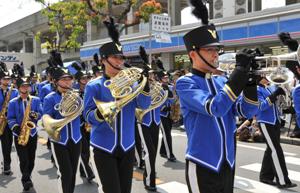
(251, 101)
(230, 93)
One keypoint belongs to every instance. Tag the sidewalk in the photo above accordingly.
(283, 138)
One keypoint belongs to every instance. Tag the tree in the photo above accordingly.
(101, 9)
(67, 21)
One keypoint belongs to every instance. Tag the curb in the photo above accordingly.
(288, 140)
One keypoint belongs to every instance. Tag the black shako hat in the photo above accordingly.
(22, 81)
(203, 36)
(111, 48)
(3, 71)
(114, 47)
(60, 72)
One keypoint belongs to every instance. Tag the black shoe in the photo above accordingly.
(90, 178)
(266, 181)
(172, 159)
(290, 185)
(27, 185)
(82, 175)
(164, 155)
(295, 135)
(150, 188)
(7, 172)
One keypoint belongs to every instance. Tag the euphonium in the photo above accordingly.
(3, 118)
(70, 107)
(158, 97)
(124, 87)
(26, 125)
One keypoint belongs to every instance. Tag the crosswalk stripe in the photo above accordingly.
(293, 175)
(255, 186)
(172, 187)
(292, 160)
(262, 149)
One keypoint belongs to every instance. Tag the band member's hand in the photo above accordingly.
(17, 130)
(244, 59)
(286, 39)
(33, 115)
(277, 92)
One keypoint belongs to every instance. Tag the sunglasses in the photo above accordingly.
(213, 50)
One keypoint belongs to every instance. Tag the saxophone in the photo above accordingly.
(3, 118)
(26, 125)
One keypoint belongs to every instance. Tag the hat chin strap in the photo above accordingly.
(116, 68)
(205, 61)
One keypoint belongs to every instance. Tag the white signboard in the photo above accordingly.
(163, 37)
(160, 23)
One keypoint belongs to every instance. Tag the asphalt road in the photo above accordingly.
(171, 176)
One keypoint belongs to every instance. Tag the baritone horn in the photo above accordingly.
(124, 87)
(70, 107)
(158, 97)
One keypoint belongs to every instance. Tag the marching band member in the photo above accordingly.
(7, 93)
(67, 150)
(33, 81)
(113, 150)
(273, 164)
(209, 106)
(166, 149)
(148, 131)
(17, 112)
(97, 69)
(85, 169)
(293, 45)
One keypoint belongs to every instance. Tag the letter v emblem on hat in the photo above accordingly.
(213, 33)
(119, 47)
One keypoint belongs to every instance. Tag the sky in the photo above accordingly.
(13, 10)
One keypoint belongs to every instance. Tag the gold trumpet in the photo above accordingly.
(158, 97)
(70, 107)
(124, 87)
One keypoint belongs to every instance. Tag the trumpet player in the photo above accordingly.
(7, 93)
(209, 106)
(66, 150)
(113, 145)
(22, 112)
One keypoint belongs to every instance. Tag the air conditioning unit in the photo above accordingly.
(218, 9)
(241, 6)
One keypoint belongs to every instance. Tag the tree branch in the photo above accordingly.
(125, 12)
(93, 10)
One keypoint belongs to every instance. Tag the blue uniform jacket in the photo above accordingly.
(153, 115)
(14, 94)
(209, 109)
(46, 89)
(267, 112)
(71, 130)
(40, 86)
(102, 136)
(296, 99)
(16, 110)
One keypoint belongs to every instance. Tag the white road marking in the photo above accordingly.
(292, 160)
(293, 175)
(256, 187)
(172, 187)
(262, 149)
